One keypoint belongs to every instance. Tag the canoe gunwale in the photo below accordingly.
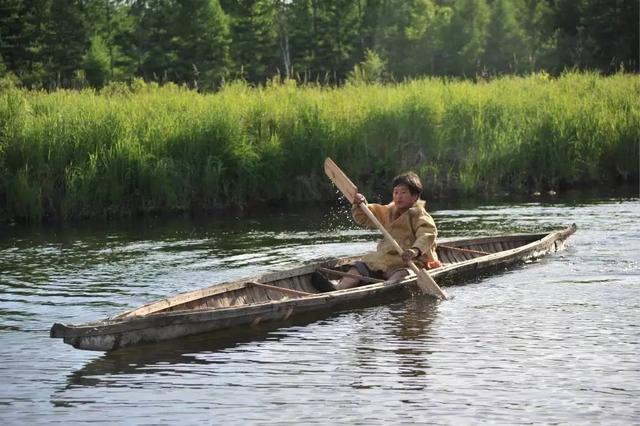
(510, 253)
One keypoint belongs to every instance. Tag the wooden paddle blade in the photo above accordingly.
(337, 176)
(428, 285)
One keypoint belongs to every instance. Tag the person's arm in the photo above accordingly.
(426, 233)
(360, 217)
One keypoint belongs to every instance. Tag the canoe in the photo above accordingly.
(282, 295)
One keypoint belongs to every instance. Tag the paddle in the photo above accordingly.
(349, 190)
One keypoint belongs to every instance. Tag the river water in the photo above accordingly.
(554, 342)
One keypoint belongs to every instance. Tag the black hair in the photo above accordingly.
(411, 181)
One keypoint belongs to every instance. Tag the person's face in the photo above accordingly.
(402, 197)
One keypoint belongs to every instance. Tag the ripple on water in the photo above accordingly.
(554, 341)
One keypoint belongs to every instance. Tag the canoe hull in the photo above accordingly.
(198, 312)
(155, 328)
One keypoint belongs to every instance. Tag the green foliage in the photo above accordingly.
(113, 24)
(65, 42)
(467, 36)
(505, 44)
(323, 39)
(371, 70)
(182, 41)
(541, 40)
(409, 34)
(608, 37)
(205, 43)
(201, 42)
(255, 39)
(426, 38)
(8, 80)
(145, 148)
(97, 63)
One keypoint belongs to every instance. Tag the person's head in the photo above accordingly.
(406, 190)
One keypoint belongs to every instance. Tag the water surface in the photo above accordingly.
(554, 341)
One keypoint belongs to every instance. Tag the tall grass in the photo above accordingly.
(146, 148)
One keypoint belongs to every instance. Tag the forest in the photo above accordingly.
(201, 44)
(117, 108)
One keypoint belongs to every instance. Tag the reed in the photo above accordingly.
(145, 148)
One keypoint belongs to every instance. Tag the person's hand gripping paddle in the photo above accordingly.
(349, 190)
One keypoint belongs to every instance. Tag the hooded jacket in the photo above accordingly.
(414, 228)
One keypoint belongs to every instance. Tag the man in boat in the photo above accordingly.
(410, 225)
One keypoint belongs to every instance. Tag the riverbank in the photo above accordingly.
(146, 149)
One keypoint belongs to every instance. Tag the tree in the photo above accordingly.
(505, 46)
(7, 78)
(97, 63)
(383, 23)
(302, 33)
(324, 38)
(12, 32)
(571, 51)
(371, 70)
(184, 41)
(23, 25)
(425, 33)
(111, 21)
(540, 37)
(65, 41)
(610, 34)
(201, 42)
(466, 37)
(47, 43)
(255, 38)
(153, 53)
(283, 37)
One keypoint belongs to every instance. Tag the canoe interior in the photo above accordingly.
(297, 283)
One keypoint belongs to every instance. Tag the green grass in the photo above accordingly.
(124, 151)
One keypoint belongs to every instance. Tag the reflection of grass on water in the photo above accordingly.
(165, 149)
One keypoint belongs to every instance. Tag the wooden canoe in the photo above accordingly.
(282, 295)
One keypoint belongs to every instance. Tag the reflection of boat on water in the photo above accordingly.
(184, 350)
(283, 295)
(409, 320)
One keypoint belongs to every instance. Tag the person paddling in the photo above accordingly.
(407, 221)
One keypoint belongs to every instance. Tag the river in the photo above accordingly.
(556, 341)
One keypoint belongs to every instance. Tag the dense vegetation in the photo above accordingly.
(143, 147)
(55, 44)
(99, 116)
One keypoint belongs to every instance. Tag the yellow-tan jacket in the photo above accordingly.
(414, 228)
